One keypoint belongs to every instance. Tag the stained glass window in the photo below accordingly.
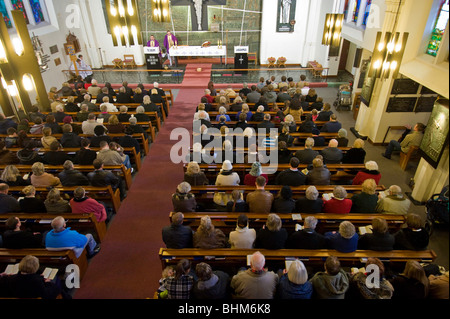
(366, 12)
(356, 10)
(37, 11)
(18, 5)
(439, 28)
(346, 5)
(5, 14)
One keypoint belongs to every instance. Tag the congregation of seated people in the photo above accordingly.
(184, 281)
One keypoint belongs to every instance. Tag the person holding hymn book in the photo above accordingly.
(307, 238)
(359, 290)
(28, 283)
(271, 235)
(379, 239)
(293, 282)
(337, 202)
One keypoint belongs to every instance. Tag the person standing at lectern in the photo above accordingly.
(153, 43)
(169, 41)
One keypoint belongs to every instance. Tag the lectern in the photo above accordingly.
(153, 59)
(241, 59)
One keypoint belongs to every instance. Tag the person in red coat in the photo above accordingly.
(81, 204)
(338, 204)
(370, 172)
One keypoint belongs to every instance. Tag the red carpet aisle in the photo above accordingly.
(128, 265)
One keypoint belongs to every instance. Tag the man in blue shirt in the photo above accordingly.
(333, 126)
(60, 238)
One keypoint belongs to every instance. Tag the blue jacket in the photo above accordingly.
(289, 290)
(339, 243)
(66, 238)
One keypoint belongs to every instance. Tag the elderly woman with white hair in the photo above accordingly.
(209, 237)
(370, 172)
(345, 240)
(307, 238)
(338, 203)
(140, 114)
(293, 283)
(342, 139)
(311, 203)
(223, 112)
(183, 200)
(272, 235)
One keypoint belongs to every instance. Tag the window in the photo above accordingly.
(33, 11)
(346, 5)
(5, 14)
(366, 13)
(356, 10)
(18, 5)
(439, 28)
(37, 11)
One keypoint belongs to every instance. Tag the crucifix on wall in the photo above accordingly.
(199, 9)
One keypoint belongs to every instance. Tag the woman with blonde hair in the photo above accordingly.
(246, 110)
(412, 284)
(194, 176)
(355, 155)
(31, 204)
(272, 235)
(208, 237)
(47, 139)
(294, 284)
(366, 201)
(114, 126)
(290, 122)
(11, 176)
(29, 284)
(55, 204)
(40, 178)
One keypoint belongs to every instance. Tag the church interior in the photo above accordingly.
(382, 66)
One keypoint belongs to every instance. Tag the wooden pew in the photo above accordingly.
(155, 121)
(275, 259)
(105, 194)
(131, 151)
(205, 194)
(121, 169)
(39, 222)
(226, 221)
(54, 259)
(339, 172)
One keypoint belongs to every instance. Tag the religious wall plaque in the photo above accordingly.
(435, 138)
(286, 15)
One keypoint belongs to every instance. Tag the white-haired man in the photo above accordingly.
(256, 282)
(60, 238)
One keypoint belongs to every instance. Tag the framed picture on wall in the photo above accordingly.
(286, 15)
(435, 138)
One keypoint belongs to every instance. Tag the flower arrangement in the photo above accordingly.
(206, 44)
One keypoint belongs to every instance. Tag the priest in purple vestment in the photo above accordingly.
(169, 41)
(154, 43)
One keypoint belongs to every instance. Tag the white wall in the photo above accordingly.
(302, 45)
